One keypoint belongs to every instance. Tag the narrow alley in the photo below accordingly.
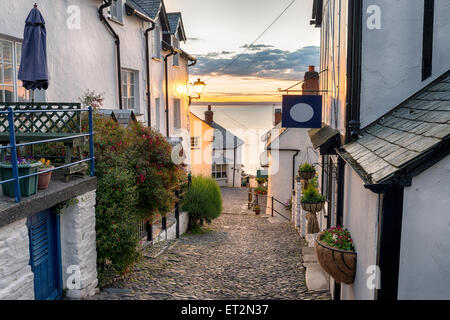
(240, 256)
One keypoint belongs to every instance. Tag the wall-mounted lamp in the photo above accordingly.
(196, 90)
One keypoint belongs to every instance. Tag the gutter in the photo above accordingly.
(106, 4)
(147, 59)
(354, 50)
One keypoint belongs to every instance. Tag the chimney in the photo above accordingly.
(278, 116)
(311, 84)
(209, 115)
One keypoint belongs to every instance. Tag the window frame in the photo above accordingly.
(219, 174)
(156, 43)
(195, 143)
(118, 5)
(125, 89)
(176, 57)
(176, 113)
(158, 113)
(16, 45)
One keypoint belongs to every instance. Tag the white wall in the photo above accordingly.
(392, 55)
(78, 248)
(16, 277)
(425, 243)
(280, 163)
(361, 208)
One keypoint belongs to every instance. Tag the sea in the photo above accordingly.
(248, 121)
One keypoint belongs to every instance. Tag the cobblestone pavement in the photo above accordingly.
(240, 256)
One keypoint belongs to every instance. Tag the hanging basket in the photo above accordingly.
(306, 175)
(312, 207)
(340, 264)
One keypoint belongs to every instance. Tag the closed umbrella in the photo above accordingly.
(33, 64)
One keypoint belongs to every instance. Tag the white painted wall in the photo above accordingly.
(78, 245)
(361, 208)
(333, 57)
(280, 163)
(392, 55)
(16, 277)
(85, 58)
(229, 160)
(425, 243)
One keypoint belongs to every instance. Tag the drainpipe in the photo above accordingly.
(147, 57)
(106, 4)
(293, 169)
(166, 73)
(353, 98)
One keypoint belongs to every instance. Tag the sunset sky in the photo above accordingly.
(218, 31)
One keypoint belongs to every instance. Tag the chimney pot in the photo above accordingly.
(209, 115)
(311, 84)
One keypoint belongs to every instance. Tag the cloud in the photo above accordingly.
(256, 47)
(264, 62)
(194, 39)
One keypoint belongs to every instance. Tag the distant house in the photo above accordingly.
(202, 135)
(385, 143)
(227, 154)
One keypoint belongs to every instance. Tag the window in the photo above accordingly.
(157, 113)
(195, 143)
(176, 58)
(176, 113)
(130, 89)
(219, 171)
(11, 89)
(156, 43)
(116, 11)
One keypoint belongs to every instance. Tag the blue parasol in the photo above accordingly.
(33, 64)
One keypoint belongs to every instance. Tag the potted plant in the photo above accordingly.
(44, 178)
(306, 171)
(256, 209)
(26, 166)
(312, 201)
(336, 255)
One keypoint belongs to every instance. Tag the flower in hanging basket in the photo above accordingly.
(336, 254)
(312, 201)
(306, 171)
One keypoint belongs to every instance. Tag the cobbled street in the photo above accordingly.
(240, 256)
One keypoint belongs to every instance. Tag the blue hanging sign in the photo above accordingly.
(302, 111)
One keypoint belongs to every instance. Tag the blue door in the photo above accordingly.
(43, 231)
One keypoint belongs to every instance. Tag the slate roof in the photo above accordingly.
(135, 6)
(224, 139)
(151, 7)
(123, 117)
(174, 19)
(403, 136)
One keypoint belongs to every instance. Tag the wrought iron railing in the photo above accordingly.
(28, 122)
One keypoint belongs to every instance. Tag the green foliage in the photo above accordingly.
(306, 167)
(261, 190)
(312, 195)
(203, 201)
(261, 180)
(135, 182)
(338, 237)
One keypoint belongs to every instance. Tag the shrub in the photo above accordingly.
(312, 195)
(338, 237)
(306, 167)
(203, 201)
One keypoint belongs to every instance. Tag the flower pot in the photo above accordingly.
(312, 207)
(28, 186)
(306, 175)
(340, 264)
(44, 178)
(257, 211)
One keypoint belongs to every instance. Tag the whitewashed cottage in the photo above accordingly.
(384, 144)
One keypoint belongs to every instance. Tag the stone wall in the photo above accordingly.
(16, 277)
(78, 246)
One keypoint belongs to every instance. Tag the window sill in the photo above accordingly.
(156, 59)
(116, 21)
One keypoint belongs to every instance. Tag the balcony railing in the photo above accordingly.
(43, 123)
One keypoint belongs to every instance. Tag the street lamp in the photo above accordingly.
(196, 90)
